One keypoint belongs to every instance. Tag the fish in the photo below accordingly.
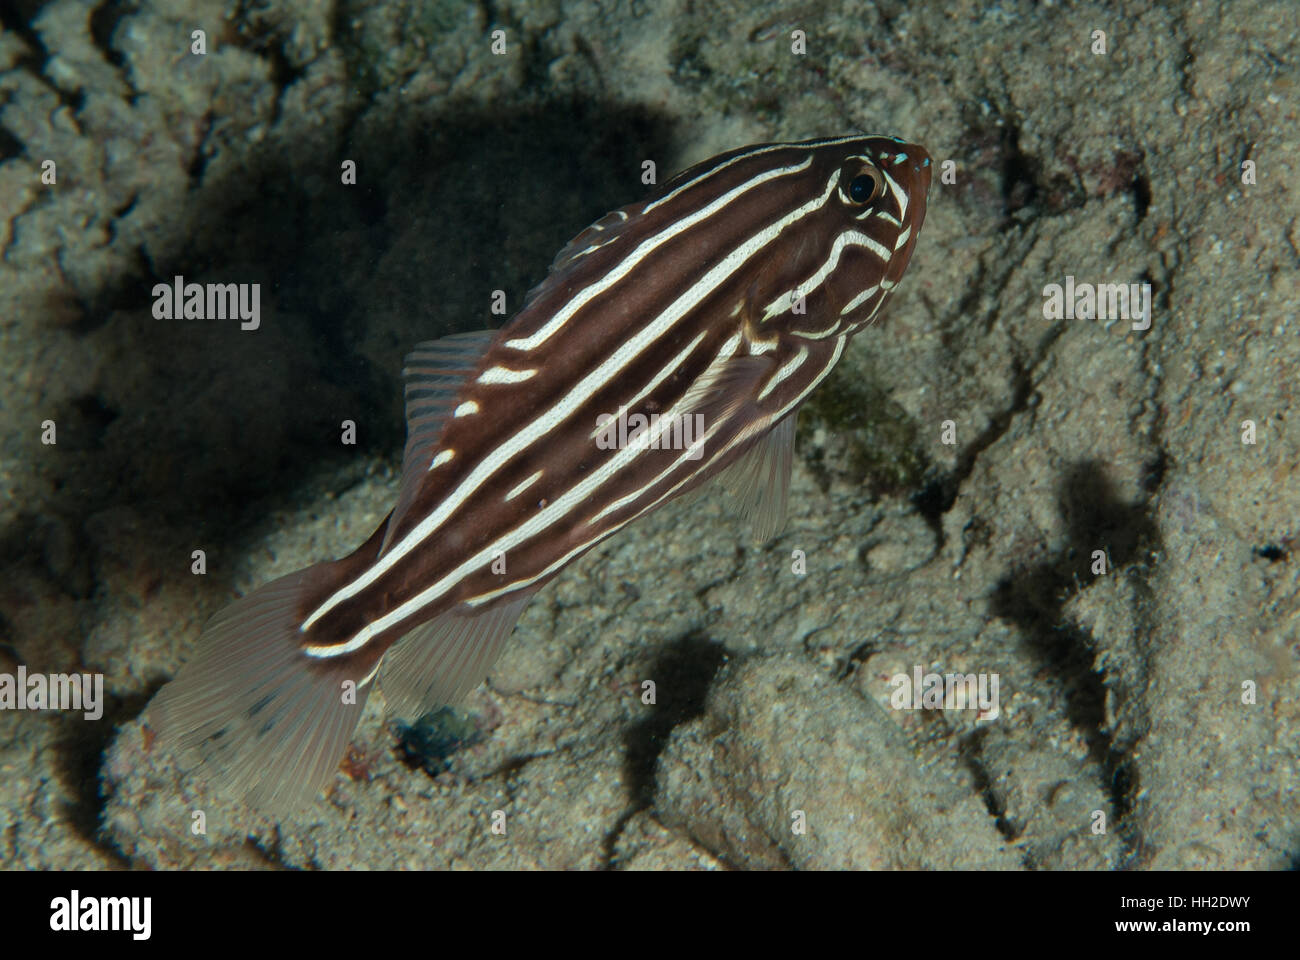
(670, 344)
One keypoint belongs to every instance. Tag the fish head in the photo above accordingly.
(855, 247)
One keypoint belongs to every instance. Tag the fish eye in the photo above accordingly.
(866, 186)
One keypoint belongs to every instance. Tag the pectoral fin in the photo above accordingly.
(759, 482)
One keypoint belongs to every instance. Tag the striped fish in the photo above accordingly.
(719, 304)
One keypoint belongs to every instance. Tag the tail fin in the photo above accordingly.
(258, 715)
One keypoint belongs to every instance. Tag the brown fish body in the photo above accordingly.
(706, 313)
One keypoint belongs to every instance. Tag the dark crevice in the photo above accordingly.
(202, 154)
(1271, 552)
(1122, 783)
(1125, 172)
(1006, 181)
(968, 304)
(1027, 189)
(536, 66)
(857, 656)
(120, 212)
(1187, 69)
(938, 496)
(1140, 188)
(1019, 172)
(77, 759)
(271, 44)
(103, 21)
(1154, 470)
(283, 74)
(16, 16)
(82, 423)
(10, 146)
(272, 853)
(1034, 598)
(1160, 292)
(120, 291)
(972, 757)
(682, 673)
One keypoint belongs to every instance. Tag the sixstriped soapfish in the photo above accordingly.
(721, 301)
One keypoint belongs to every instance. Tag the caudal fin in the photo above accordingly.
(255, 714)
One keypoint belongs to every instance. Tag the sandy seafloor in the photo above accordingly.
(1121, 694)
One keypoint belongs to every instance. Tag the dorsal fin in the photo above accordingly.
(435, 371)
(694, 170)
(606, 230)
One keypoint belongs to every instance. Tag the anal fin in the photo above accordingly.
(441, 661)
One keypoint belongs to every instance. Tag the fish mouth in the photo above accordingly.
(922, 166)
(915, 172)
(918, 167)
